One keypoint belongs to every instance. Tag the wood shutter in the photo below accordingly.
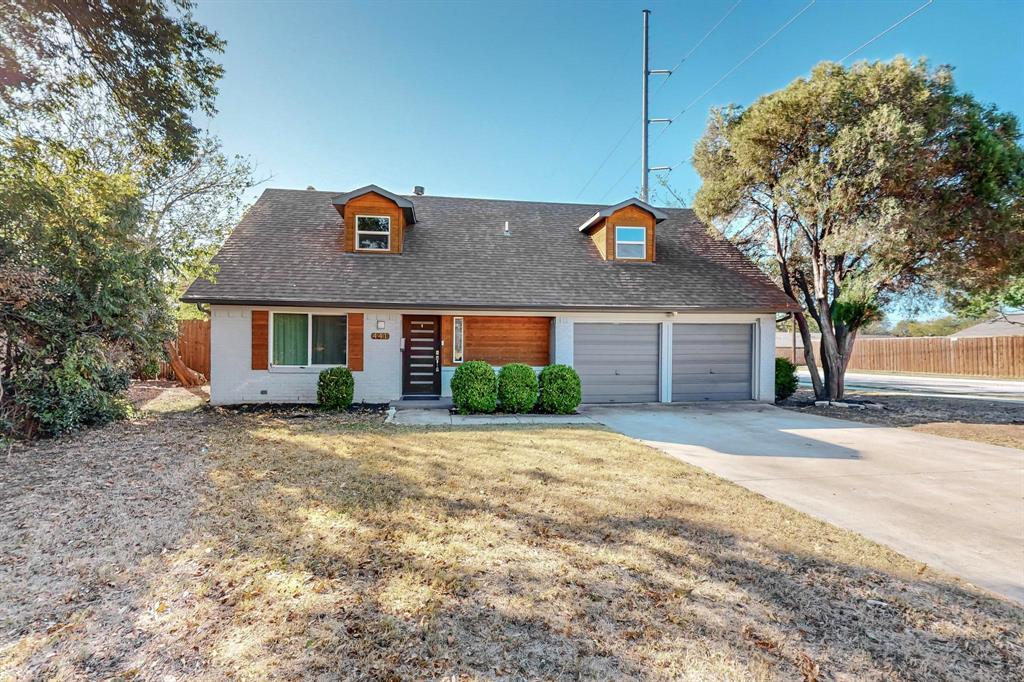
(260, 334)
(355, 342)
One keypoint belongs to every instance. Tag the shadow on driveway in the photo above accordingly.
(952, 503)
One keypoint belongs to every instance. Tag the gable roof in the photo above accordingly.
(403, 203)
(287, 250)
(607, 212)
(1011, 325)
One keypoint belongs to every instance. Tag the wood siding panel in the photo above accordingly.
(260, 335)
(355, 342)
(447, 332)
(500, 340)
(600, 237)
(373, 204)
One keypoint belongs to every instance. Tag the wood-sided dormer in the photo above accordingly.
(375, 220)
(625, 232)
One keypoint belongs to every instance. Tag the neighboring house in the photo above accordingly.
(642, 301)
(1011, 325)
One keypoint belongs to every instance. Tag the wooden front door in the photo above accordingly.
(421, 355)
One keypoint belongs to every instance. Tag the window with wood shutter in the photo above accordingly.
(308, 339)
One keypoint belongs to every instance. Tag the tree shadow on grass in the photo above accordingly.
(528, 553)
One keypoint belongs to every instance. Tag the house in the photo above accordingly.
(1010, 325)
(644, 302)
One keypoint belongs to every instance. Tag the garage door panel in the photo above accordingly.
(617, 362)
(711, 362)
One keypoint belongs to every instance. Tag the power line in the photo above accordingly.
(699, 43)
(743, 61)
(609, 155)
(862, 46)
(632, 125)
(886, 31)
(714, 85)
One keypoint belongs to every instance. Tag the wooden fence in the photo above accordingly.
(979, 356)
(193, 346)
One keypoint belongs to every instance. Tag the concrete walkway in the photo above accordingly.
(927, 386)
(953, 504)
(442, 417)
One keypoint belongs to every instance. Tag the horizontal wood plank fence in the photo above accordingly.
(979, 356)
(193, 344)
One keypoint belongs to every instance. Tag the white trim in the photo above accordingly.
(358, 231)
(630, 242)
(309, 339)
(665, 364)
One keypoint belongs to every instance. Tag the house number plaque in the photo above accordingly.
(380, 336)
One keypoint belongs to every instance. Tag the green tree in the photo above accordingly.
(190, 205)
(151, 61)
(993, 301)
(858, 184)
(940, 326)
(83, 304)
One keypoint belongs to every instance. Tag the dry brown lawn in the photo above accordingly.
(265, 546)
(995, 422)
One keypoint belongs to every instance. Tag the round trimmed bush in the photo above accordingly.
(334, 388)
(785, 379)
(517, 388)
(475, 388)
(560, 390)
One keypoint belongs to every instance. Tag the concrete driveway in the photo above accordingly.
(953, 504)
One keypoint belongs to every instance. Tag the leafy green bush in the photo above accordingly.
(517, 388)
(475, 388)
(83, 389)
(785, 379)
(560, 390)
(334, 388)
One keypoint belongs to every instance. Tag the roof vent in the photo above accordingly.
(310, 188)
(507, 233)
(418, 190)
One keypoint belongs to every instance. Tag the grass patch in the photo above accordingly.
(327, 547)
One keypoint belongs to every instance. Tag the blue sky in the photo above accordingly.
(524, 100)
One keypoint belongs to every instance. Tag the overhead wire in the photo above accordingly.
(714, 85)
(632, 125)
(858, 49)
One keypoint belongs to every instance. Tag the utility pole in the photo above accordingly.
(645, 169)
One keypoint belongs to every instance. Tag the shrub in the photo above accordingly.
(517, 388)
(785, 379)
(335, 388)
(83, 389)
(475, 388)
(560, 390)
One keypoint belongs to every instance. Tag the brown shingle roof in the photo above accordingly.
(288, 250)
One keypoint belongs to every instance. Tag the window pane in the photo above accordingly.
(371, 224)
(629, 251)
(374, 241)
(329, 339)
(457, 325)
(290, 338)
(630, 234)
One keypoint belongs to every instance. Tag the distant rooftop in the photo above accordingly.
(1013, 325)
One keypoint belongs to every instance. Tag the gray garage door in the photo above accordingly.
(711, 361)
(617, 363)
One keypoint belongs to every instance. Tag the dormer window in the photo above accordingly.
(373, 220)
(625, 231)
(630, 242)
(373, 233)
